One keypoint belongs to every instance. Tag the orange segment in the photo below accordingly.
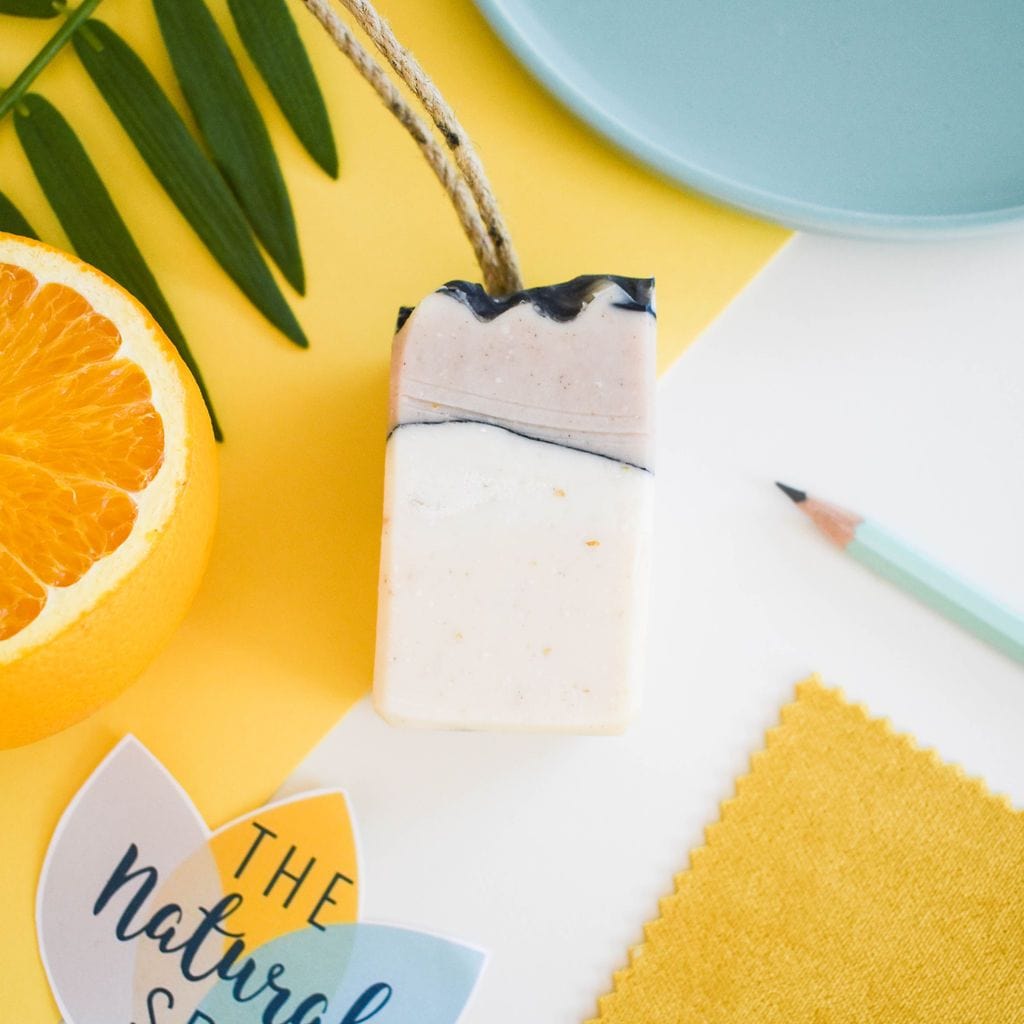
(21, 596)
(79, 436)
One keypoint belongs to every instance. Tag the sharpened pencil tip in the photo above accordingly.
(792, 493)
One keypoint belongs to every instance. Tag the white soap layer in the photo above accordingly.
(513, 582)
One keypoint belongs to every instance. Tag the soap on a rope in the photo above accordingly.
(518, 499)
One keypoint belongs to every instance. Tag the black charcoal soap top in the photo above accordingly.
(561, 302)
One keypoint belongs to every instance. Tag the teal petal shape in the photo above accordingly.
(360, 972)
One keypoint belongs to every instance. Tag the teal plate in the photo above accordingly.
(873, 117)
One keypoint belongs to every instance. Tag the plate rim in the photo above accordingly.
(784, 210)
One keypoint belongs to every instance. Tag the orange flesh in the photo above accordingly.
(78, 436)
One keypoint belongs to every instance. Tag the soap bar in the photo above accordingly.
(517, 508)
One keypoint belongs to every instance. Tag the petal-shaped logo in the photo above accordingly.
(146, 917)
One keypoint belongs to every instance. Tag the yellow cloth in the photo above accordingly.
(280, 642)
(853, 879)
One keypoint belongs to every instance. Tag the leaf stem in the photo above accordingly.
(12, 95)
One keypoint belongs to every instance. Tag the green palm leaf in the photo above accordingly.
(272, 39)
(31, 8)
(232, 126)
(12, 221)
(88, 215)
(186, 174)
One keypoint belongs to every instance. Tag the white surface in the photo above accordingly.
(514, 582)
(888, 378)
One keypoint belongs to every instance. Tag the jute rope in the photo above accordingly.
(464, 180)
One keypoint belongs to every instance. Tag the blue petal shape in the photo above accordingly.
(361, 972)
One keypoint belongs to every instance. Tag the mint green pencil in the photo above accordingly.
(916, 573)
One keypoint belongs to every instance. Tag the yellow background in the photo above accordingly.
(279, 643)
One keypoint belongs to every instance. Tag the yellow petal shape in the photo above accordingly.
(294, 864)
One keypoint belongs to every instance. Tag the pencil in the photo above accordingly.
(937, 587)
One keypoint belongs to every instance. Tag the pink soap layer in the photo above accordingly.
(585, 382)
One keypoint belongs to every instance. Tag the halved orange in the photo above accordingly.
(108, 489)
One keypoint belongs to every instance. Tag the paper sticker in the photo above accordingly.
(146, 917)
